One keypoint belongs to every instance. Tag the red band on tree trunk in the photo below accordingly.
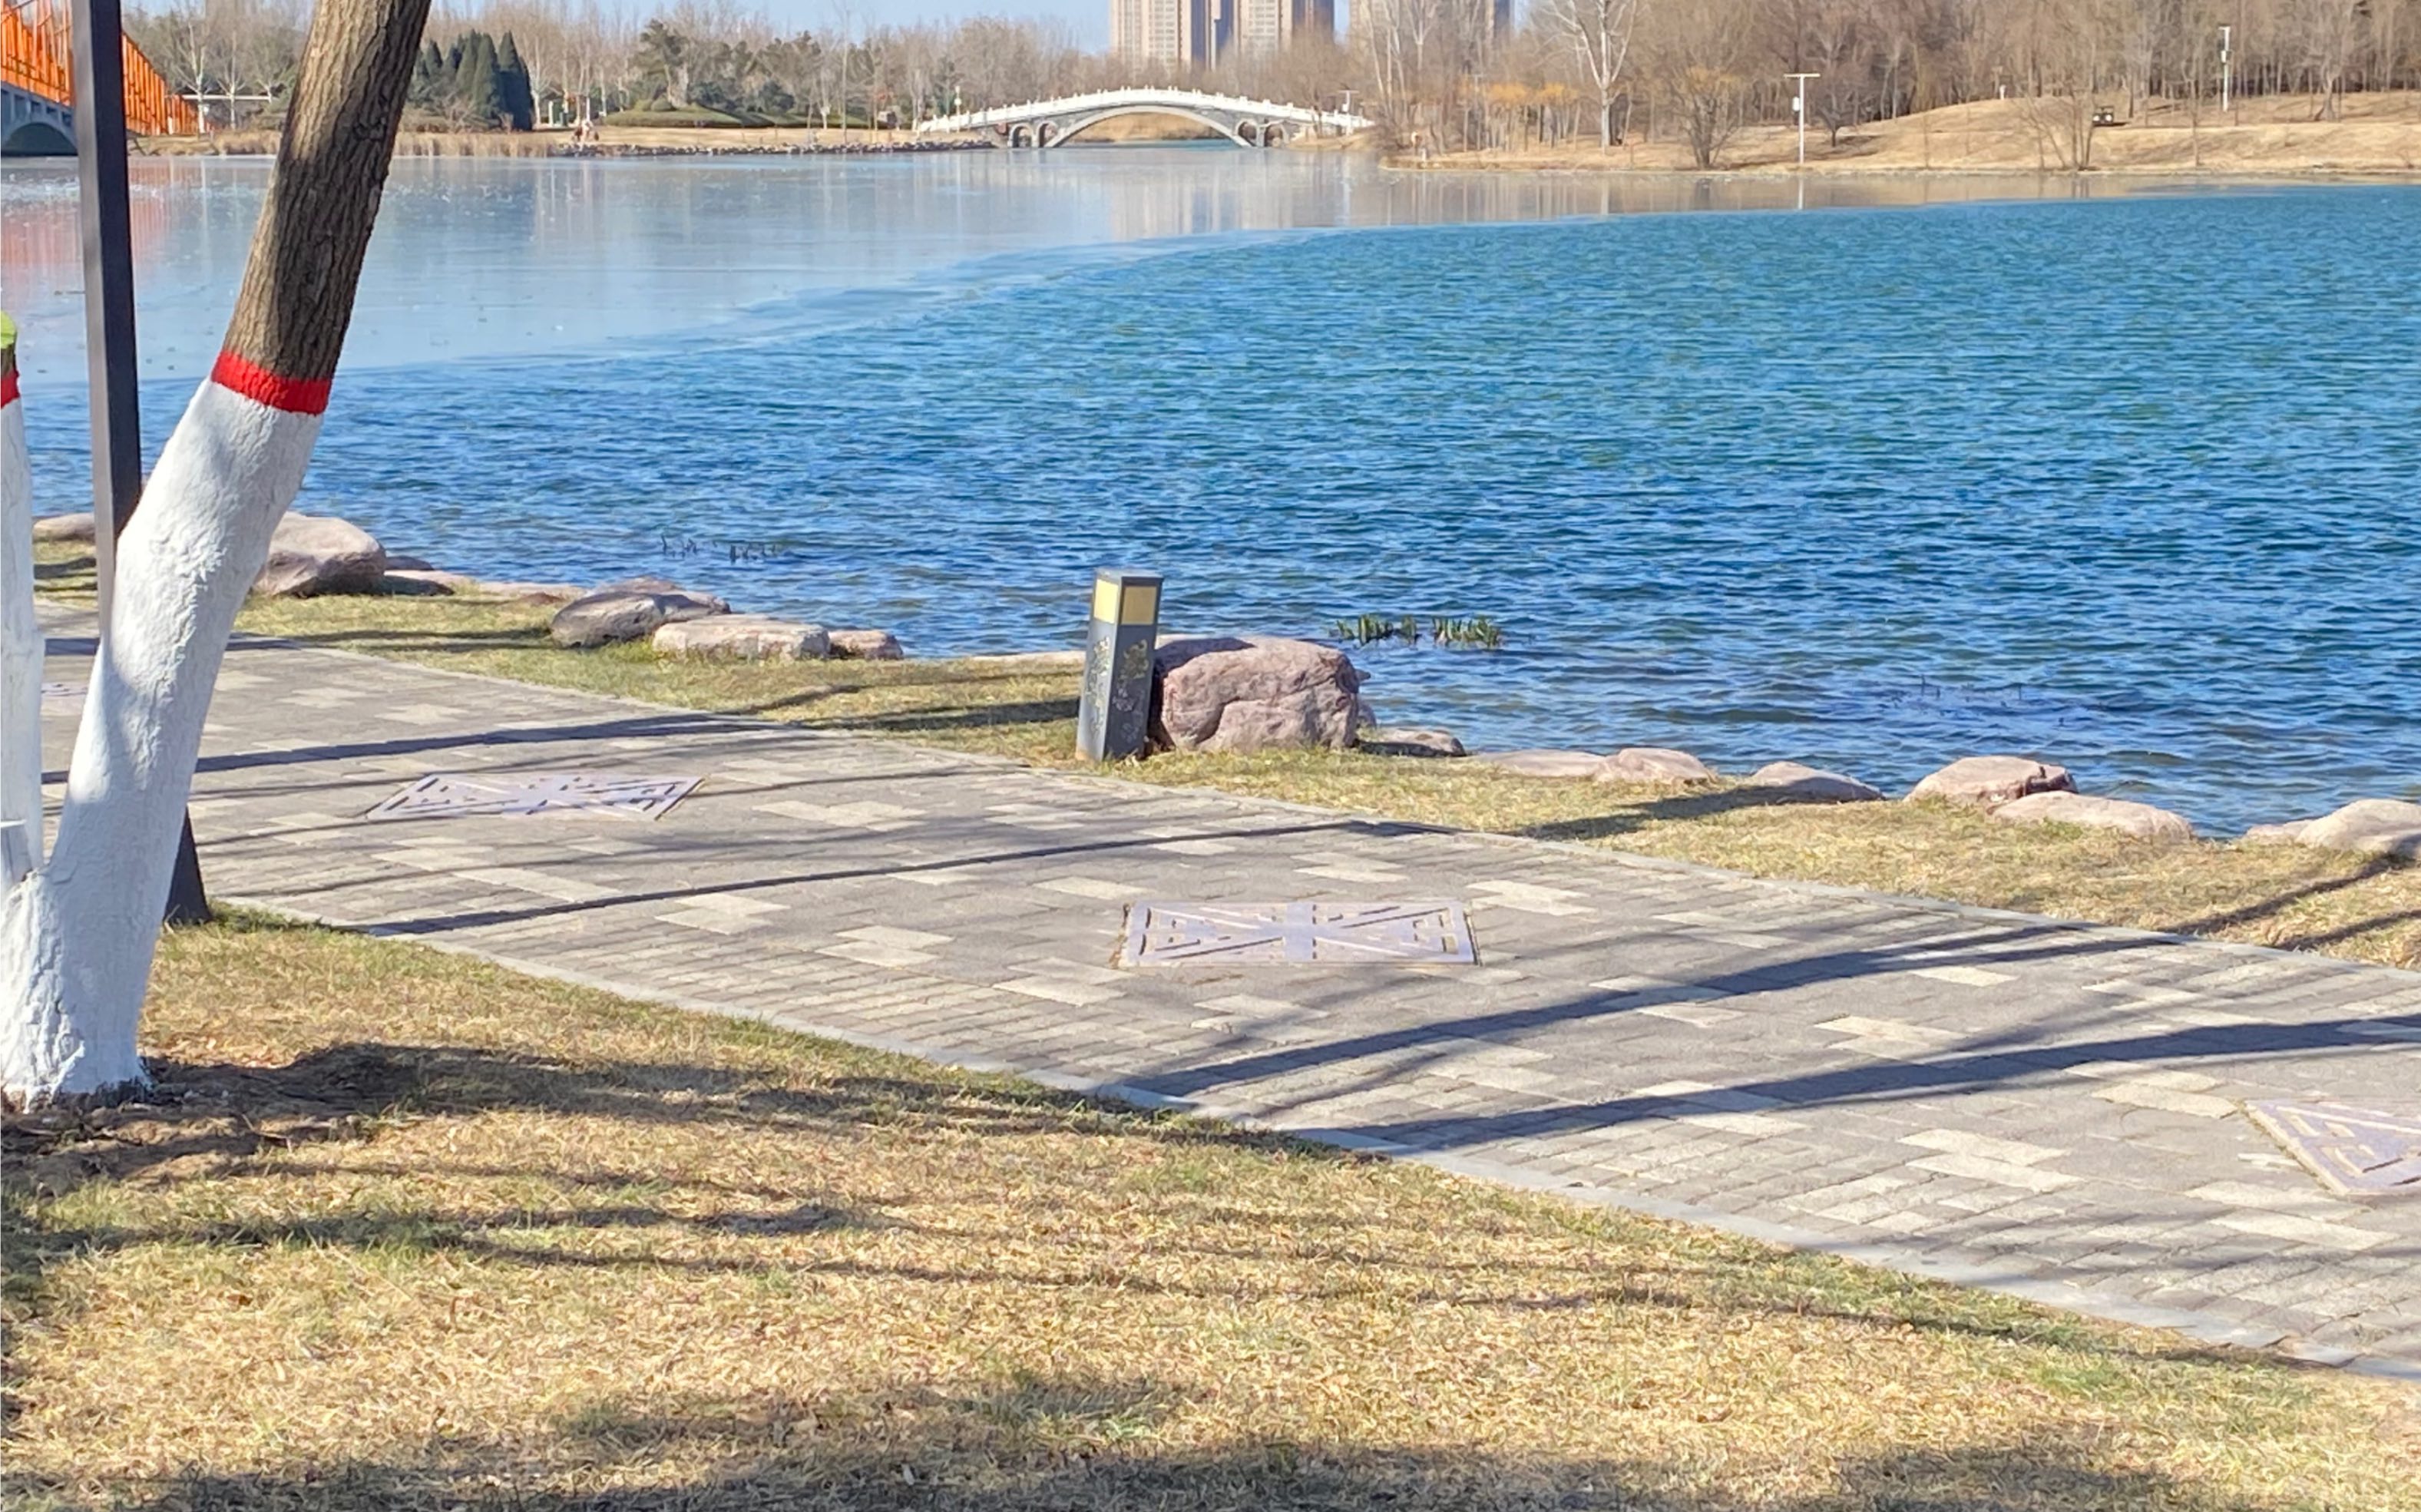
(295, 395)
(7, 388)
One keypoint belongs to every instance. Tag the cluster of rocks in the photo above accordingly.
(1241, 693)
(310, 555)
(684, 622)
(2016, 789)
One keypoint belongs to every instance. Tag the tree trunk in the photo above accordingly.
(76, 938)
(21, 638)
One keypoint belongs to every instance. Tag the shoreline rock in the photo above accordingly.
(1795, 782)
(1253, 693)
(2374, 826)
(866, 646)
(628, 610)
(1985, 781)
(743, 638)
(1406, 741)
(75, 528)
(1653, 764)
(2142, 820)
(314, 554)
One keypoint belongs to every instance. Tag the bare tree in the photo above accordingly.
(1599, 32)
(2331, 32)
(1699, 57)
(1841, 49)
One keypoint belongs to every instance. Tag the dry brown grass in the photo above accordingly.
(2367, 907)
(401, 1229)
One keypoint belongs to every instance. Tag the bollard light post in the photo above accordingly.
(1114, 720)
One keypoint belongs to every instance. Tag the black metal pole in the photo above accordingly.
(99, 83)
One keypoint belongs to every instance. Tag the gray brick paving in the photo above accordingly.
(1977, 1096)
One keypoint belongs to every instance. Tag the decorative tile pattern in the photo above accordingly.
(2358, 1151)
(464, 795)
(1301, 934)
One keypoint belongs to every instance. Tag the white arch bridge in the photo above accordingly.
(1245, 122)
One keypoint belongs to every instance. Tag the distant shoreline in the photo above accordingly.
(655, 142)
(2378, 136)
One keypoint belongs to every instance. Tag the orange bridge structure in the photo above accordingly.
(38, 93)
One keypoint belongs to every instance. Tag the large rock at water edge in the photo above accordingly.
(2380, 826)
(311, 554)
(867, 645)
(76, 528)
(1794, 781)
(1983, 781)
(743, 638)
(1402, 740)
(2142, 820)
(618, 613)
(1653, 764)
(1253, 693)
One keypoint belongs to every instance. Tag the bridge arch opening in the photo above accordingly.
(38, 139)
(1118, 128)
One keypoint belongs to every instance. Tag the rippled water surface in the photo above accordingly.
(2126, 480)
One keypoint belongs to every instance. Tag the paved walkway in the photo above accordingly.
(2049, 1109)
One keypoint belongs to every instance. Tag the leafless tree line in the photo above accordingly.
(1445, 71)
(1435, 73)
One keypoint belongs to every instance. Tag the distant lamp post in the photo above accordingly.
(1115, 717)
(107, 235)
(1798, 108)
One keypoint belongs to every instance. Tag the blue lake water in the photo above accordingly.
(2128, 480)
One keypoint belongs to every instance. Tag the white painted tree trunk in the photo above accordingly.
(21, 640)
(76, 938)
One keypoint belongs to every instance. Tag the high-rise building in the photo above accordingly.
(1202, 32)
(1268, 24)
(1164, 31)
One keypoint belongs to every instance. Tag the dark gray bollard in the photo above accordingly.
(1114, 718)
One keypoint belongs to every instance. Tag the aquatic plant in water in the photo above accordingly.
(1472, 632)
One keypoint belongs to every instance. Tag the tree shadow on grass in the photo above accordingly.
(1045, 1444)
(465, 641)
(223, 1124)
(1687, 803)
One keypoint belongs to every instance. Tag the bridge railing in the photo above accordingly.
(36, 55)
(1142, 97)
(29, 58)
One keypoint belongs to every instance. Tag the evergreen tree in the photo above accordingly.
(433, 82)
(475, 85)
(518, 105)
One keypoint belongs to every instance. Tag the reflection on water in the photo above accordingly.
(519, 258)
(2127, 483)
